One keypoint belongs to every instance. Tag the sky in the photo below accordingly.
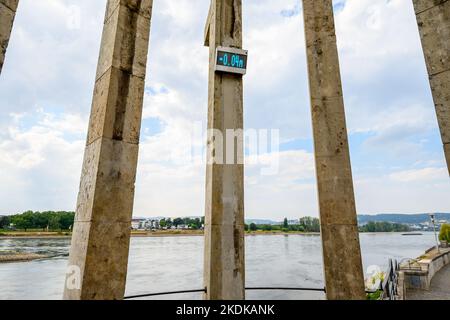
(48, 78)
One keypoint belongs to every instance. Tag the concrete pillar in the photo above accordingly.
(7, 13)
(344, 277)
(224, 269)
(101, 234)
(433, 18)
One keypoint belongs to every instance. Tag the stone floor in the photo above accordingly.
(440, 288)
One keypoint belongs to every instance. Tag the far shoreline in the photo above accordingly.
(143, 234)
(161, 234)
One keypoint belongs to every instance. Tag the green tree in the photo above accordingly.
(42, 220)
(197, 223)
(66, 220)
(177, 222)
(193, 223)
(253, 227)
(310, 224)
(5, 221)
(21, 222)
(372, 226)
(444, 234)
(285, 223)
(315, 225)
(53, 222)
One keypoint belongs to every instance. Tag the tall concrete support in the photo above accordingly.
(224, 269)
(344, 276)
(100, 242)
(7, 14)
(433, 18)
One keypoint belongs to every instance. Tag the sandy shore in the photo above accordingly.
(20, 257)
(34, 234)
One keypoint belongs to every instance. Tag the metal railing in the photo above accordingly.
(146, 295)
(389, 284)
(410, 264)
(388, 287)
(286, 289)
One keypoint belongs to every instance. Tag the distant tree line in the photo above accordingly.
(63, 220)
(192, 223)
(310, 224)
(372, 226)
(51, 220)
(306, 224)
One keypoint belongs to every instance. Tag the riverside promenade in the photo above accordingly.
(439, 289)
(439, 286)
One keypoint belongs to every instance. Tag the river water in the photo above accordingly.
(175, 263)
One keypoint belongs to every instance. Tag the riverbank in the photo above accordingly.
(20, 257)
(159, 233)
(34, 234)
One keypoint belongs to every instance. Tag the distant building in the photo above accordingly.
(150, 224)
(136, 224)
(155, 224)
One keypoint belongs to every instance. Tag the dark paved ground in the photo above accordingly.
(440, 288)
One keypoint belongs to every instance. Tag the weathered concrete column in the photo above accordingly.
(7, 14)
(224, 269)
(100, 241)
(344, 276)
(433, 18)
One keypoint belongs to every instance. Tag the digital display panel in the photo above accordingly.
(231, 60)
(234, 60)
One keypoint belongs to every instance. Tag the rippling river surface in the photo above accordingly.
(175, 263)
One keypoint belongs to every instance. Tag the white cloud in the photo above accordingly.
(40, 169)
(400, 131)
(289, 193)
(425, 175)
(49, 63)
(404, 191)
(374, 33)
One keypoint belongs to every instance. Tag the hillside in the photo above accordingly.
(401, 218)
